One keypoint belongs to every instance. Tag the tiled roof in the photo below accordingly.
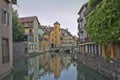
(66, 32)
(56, 23)
(27, 19)
(46, 29)
(50, 29)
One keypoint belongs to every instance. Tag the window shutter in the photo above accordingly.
(1, 15)
(8, 19)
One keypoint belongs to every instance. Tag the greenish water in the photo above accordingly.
(52, 67)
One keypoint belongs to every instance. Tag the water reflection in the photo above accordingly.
(54, 64)
(33, 68)
(52, 67)
(85, 73)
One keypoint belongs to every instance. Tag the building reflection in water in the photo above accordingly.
(55, 63)
(25, 69)
(52, 67)
(33, 68)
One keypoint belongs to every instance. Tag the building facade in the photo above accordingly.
(67, 38)
(45, 42)
(6, 49)
(31, 39)
(57, 34)
(85, 45)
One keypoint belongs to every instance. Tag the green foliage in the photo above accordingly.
(18, 30)
(103, 23)
(92, 3)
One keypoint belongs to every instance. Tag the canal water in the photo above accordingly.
(52, 67)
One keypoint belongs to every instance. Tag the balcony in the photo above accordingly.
(81, 31)
(80, 19)
(86, 39)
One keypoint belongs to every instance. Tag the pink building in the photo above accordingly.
(6, 53)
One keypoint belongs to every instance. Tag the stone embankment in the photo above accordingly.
(110, 69)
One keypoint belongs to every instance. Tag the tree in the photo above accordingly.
(103, 23)
(92, 3)
(18, 30)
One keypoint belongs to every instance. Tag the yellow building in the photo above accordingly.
(45, 42)
(52, 37)
(52, 64)
(57, 66)
(55, 35)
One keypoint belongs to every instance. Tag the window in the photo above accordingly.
(5, 50)
(55, 27)
(5, 17)
(52, 40)
(30, 46)
(14, 1)
(8, 1)
(35, 39)
(30, 31)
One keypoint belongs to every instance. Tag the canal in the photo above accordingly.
(52, 67)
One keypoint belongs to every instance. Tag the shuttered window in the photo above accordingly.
(5, 50)
(5, 17)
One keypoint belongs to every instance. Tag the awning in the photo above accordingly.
(81, 44)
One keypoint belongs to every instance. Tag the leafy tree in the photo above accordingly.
(103, 23)
(18, 30)
(92, 3)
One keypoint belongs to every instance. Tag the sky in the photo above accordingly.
(50, 11)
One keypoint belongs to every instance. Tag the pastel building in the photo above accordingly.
(43, 38)
(67, 38)
(31, 38)
(55, 35)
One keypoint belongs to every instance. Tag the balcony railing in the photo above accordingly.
(86, 39)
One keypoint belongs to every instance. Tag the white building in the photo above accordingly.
(85, 45)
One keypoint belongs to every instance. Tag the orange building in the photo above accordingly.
(52, 63)
(57, 67)
(45, 42)
(55, 35)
